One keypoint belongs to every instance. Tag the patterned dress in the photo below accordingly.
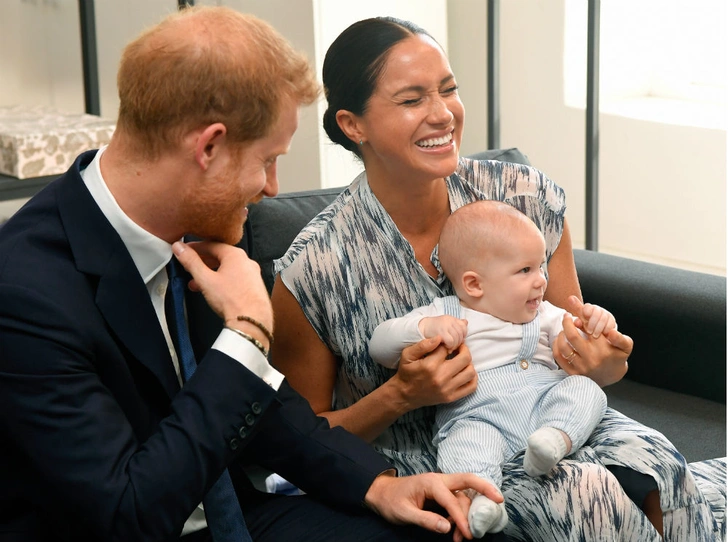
(351, 269)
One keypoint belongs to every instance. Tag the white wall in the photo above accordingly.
(662, 186)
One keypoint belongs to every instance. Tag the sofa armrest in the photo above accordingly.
(677, 319)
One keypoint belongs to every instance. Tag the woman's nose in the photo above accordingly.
(440, 112)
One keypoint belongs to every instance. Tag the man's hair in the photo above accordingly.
(204, 65)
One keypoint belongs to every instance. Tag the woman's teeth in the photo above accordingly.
(435, 142)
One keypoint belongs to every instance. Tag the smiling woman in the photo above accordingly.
(372, 255)
(413, 123)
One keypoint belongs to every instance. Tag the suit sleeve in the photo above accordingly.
(330, 464)
(93, 449)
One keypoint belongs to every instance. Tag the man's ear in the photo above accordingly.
(350, 125)
(208, 144)
(472, 284)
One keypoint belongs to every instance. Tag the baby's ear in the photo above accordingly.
(472, 284)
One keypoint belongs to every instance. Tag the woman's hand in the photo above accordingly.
(427, 375)
(602, 359)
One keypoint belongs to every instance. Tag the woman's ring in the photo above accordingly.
(571, 356)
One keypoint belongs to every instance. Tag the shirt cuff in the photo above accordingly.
(249, 356)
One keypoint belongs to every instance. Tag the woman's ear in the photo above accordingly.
(472, 284)
(209, 143)
(350, 125)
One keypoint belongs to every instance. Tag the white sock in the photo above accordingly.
(486, 516)
(546, 447)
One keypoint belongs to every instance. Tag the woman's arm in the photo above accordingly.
(563, 280)
(604, 360)
(425, 376)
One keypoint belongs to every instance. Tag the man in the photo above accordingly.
(107, 434)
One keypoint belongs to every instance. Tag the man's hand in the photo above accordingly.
(229, 280)
(451, 330)
(400, 500)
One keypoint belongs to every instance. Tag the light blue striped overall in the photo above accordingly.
(482, 431)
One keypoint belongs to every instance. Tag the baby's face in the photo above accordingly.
(514, 281)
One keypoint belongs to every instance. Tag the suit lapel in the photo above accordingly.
(121, 295)
(124, 301)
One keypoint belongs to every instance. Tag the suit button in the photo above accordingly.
(249, 419)
(242, 433)
(234, 444)
(255, 407)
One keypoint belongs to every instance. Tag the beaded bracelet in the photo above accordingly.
(256, 342)
(259, 325)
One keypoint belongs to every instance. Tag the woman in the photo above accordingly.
(372, 256)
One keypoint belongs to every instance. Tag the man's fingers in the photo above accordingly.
(464, 502)
(188, 257)
(445, 497)
(460, 481)
(455, 482)
(430, 521)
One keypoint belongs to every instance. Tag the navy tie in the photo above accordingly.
(222, 510)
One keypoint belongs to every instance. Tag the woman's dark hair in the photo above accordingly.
(352, 66)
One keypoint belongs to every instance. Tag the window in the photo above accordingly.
(662, 60)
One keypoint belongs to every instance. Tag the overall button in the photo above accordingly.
(249, 419)
(524, 364)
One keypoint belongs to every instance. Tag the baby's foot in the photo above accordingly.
(486, 516)
(546, 447)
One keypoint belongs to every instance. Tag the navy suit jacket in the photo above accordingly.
(98, 439)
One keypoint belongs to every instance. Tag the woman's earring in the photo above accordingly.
(361, 142)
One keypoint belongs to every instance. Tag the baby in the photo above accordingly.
(494, 256)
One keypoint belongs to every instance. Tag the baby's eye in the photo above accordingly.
(526, 270)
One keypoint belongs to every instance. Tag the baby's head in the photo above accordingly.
(494, 255)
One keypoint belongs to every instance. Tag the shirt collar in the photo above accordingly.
(149, 253)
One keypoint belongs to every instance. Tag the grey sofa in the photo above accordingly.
(677, 377)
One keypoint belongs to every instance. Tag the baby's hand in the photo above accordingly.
(598, 320)
(451, 330)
